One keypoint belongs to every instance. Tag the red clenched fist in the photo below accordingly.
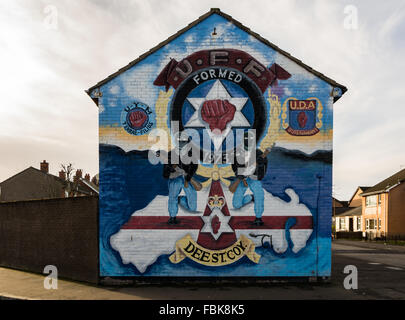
(215, 224)
(302, 119)
(217, 113)
(137, 118)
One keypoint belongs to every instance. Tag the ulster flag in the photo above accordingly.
(215, 234)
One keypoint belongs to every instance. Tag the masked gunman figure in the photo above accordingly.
(249, 175)
(180, 177)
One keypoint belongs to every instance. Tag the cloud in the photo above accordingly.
(46, 114)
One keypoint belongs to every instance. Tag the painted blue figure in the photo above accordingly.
(240, 199)
(249, 175)
(180, 178)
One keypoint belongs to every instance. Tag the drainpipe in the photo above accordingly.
(386, 200)
(334, 218)
(319, 177)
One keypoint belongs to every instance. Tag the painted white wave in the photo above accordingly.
(143, 247)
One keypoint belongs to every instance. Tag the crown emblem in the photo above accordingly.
(216, 202)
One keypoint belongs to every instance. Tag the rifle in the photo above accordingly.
(234, 185)
(197, 186)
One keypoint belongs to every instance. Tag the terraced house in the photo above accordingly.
(349, 215)
(383, 208)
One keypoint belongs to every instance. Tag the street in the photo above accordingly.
(381, 275)
(381, 268)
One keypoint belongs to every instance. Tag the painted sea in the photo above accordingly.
(128, 182)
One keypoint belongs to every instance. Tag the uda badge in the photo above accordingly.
(302, 117)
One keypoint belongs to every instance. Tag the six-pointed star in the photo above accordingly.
(224, 223)
(218, 91)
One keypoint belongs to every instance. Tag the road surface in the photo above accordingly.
(381, 275)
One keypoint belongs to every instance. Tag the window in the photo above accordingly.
(379, 199)
(371, 224)
(379, 224)
(342, 223)
(358, 223)
(371, 201)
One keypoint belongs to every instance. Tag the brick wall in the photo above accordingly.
(130, 186)
(59, 232)
(396, 215)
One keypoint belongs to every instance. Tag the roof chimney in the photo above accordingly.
(62, 175)
(87, 177)
(78, 175)
(44, 166)
(94, 180)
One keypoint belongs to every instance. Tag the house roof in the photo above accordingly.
(91, 185)
(238, 24)
(35, 169)
(387, 184)
(357, 211)
(343, 203)
(361, 189)
(341, 210)
(348, 211)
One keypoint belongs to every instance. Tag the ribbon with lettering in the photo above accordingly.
(188, 248)
(176, 72)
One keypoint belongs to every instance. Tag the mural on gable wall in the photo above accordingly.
(163, 216)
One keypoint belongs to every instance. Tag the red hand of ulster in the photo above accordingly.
(217, 113)
(137, 118)
(302, 119)
(215, 224)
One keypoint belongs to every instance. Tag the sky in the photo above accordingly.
(51, 51)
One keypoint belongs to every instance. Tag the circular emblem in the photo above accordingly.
(136, 118)
(217, 101)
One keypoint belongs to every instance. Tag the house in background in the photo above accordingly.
(80, 186)
(349, 218)
(356, 199)
(383, 208)
(338, 207)
(338, 203)
(36, 184)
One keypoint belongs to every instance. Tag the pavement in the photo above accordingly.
(381, 275)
